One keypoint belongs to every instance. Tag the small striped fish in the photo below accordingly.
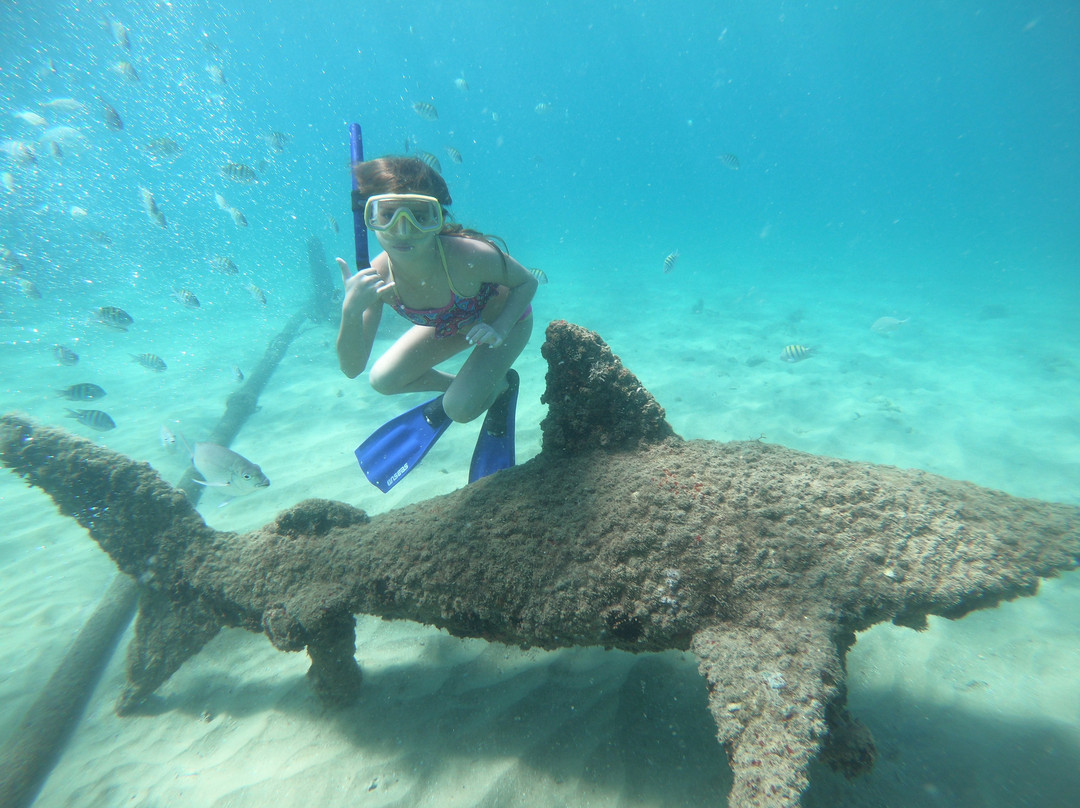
(114, 317)
(64, 355)
(150, 361)
(796, 353)
(81, 392)
(426, 111)
(670, 261)
(239, 172)
(95, 419)
(455, 155)
(186, 297)
(428, 158)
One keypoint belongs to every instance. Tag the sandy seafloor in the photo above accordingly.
(984, 711)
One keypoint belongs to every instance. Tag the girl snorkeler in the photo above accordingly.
(459, 290)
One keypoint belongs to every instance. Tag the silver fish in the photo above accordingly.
(886, 325)
(540, 275)
(127, 70)
(238, 217)
(670, 260)
(114, 317)
(31, 118)
(153, 212)
(461, 84)
(95, 419)
(543, 108)
(238, 374)
(112, 117)
(796, 353)
(330, 220)
(120, 34)
(29, 289)
(224, 468)
(455, 155)
(426, 111)
(81, 392)
(167, 438)
(216, 74)
(151, 362)
(257, 294)
(65, 104)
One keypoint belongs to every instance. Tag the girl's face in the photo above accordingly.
(404, 222)
(403, 238)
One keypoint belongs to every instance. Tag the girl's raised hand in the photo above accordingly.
(362, 289)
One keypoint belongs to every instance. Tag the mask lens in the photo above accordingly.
(384, 212)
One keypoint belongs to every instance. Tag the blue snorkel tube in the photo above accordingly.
(356, 154)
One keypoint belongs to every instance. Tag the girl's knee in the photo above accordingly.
(383, 382)
(460, 409)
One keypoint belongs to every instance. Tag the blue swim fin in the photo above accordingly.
(495, 447)
(396, 447)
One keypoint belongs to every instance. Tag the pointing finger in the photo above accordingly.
(346, 273)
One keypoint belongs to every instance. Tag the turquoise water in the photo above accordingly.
(913, 161)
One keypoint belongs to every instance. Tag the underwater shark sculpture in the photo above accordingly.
(762, 561)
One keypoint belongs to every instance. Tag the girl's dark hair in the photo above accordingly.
(411, 175)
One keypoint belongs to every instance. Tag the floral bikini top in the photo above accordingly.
(460, 311)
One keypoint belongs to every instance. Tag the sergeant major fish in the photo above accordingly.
(426, 111)
(796, 353)
(151, 362)
(114, 317)
(95, 419)
(64, 355)
(239, 172)
(81, 392)
(670, 260)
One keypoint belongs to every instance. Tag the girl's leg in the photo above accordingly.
(409, 364)
(483, 375)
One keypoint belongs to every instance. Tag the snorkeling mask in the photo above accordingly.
(383, 211)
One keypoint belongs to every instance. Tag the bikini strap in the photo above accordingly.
(446, 269)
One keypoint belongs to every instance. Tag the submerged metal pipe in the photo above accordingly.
(29, 754)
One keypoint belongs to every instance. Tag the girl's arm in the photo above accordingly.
(361, 311)
(521, 283)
